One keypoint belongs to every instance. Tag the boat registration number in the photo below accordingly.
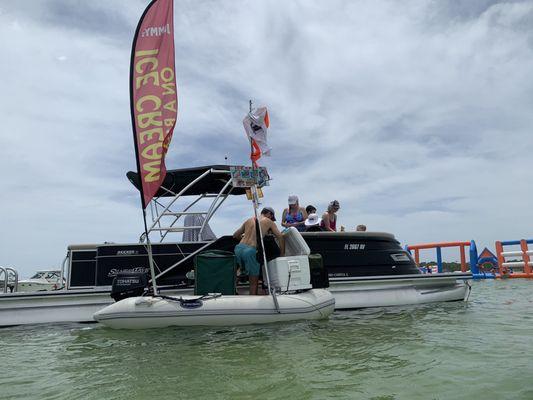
(354, 246)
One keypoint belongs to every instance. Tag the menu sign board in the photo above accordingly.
(249, 176)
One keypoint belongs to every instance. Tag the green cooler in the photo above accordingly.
(214, 272)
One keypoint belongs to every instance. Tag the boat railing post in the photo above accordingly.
(5, 278)
(185, 259)
(155, 215)
(63, 279)
(213, 207)
(16, 279)
(191, 184)
(208, 217)
(200, 197)
(270, 289)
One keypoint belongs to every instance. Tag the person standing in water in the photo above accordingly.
(246, 250)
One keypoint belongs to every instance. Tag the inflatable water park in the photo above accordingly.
(512, 259)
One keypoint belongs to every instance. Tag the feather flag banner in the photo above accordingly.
(153, 94)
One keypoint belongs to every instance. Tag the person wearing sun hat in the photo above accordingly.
(312, 223)
(310, 209)
(294, 215)
(329, 218)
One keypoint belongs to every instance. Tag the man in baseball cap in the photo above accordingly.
(246, 250)
(270, 210)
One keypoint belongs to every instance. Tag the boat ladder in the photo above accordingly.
(167, 211)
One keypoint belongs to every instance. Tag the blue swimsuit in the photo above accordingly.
(292, 219)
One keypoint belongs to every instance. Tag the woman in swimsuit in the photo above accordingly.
(294, 215)
(329, 219)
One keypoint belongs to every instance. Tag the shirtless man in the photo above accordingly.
(246, 250)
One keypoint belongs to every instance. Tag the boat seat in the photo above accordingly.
(295, 244)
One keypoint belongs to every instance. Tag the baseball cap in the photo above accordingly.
(293, 199)
(270, 210)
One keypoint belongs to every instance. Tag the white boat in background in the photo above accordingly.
(42, 280)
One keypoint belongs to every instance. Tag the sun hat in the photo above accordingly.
(312, 220)
(293, 199)
(270, 210)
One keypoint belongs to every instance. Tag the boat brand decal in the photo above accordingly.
(127, 252)
(190, 304)
(128, 281)
(114, 271)
(354, 246)
(400, 257)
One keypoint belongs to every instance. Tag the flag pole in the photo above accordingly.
(132, 111)
(150, 254)
(255, 202)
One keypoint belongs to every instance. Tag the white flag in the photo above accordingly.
(256, 124)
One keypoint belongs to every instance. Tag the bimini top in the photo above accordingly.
(178, 179)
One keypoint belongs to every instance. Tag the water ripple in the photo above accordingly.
(444, 351)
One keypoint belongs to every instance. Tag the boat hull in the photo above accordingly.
(25, 286)
(150, 312)
(387, 291)
(51, 307)
(56, 306)
(349, 293)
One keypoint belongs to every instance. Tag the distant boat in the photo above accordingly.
(41, 281)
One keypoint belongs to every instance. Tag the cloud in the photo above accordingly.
(416, 115)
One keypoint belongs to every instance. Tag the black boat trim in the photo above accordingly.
(464, 276)
(394, 306)
(178, 179)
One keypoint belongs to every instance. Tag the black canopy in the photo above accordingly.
(177, 179)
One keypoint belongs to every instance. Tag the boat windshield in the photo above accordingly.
(52, 276)
(48, 275)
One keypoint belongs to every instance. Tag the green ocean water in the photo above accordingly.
(480, 349)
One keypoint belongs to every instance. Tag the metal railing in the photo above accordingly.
(159, 211)
(5, 272)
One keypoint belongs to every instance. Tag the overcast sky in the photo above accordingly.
(415, 115)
